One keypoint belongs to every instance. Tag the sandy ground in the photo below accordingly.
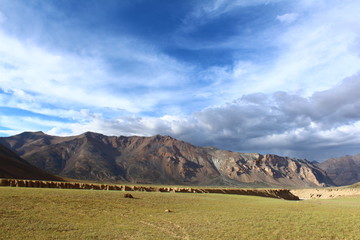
(325, 193)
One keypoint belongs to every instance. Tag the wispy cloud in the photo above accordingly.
(312, 54)
(125, 75)
(216, 8)
(287, 17)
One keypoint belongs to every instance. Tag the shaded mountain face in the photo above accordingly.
(343, 170)
(159, 159)
(12, 166)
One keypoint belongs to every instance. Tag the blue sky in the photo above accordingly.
(268, 76)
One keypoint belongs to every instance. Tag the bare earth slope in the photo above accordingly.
(159, 159)
(12, 166)
(343, 170)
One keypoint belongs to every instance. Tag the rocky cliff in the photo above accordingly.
(159, 159)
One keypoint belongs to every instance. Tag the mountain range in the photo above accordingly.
(160, 160)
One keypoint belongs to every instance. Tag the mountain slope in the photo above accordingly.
(343, 170)
(12, 166)
(159, 159)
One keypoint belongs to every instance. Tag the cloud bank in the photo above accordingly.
(282, 123)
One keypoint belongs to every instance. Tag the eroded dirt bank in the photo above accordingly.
(272, 193)
(325, 193)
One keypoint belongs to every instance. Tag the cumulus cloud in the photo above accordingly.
(323, 125)
(260, 115)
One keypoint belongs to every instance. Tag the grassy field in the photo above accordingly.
(30, 213)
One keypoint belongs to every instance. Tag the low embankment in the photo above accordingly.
(325, 193)
(272, 193)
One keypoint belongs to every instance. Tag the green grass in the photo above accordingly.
(30, 213)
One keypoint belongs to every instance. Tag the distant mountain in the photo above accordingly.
(12, 166)
(343, 170)
(159, 159)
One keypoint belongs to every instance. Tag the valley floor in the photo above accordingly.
(326, 193)
(40, 213)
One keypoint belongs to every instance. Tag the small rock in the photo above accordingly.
(128, 195)
(168, 210)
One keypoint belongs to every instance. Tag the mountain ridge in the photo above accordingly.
(343, 170)
(159, 159)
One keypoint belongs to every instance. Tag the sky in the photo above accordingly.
(266, 76)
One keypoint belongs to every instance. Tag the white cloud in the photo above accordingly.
(287, 17)
(311, 54)
(215, 8)
(67, 80)
(18, 124)
(207, 11)
(280, 123)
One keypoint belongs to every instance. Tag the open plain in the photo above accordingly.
(41, 213)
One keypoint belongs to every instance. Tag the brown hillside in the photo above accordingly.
(343, 170)
(12, 166)
(159, 159)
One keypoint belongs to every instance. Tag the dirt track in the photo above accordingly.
(272, 193)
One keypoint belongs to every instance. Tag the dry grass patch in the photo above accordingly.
(30, 213)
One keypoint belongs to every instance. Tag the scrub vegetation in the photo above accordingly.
(37, 213)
